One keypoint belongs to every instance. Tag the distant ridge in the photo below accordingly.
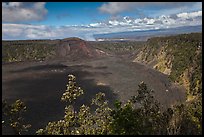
(143, 35)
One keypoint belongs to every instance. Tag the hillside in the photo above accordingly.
(116, 47)
(39, 50)
(27, 50)
(75, 48)
(179, 56)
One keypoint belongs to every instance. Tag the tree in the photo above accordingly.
(140, 115)
(12, 115)
(83, 122)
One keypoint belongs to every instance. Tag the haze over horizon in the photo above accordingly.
(56, 20)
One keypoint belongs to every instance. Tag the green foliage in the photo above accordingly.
(118, 47)
(193, 117)
(184, 51)
(185, 54)
(125, 120)
(25, 50)
(72, 91)
(196, 75)
(186, 119)
(139, 116)
(12, 115)
(82, 122)
(101, 116)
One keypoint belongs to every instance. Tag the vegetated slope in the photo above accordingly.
(23, 50)
(116, 47)
(27, 50)
(179, 56)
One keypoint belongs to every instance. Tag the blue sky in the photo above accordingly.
(36, 20)
(72, 13)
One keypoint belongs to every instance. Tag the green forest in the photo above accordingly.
(182, 54)
(27, 50)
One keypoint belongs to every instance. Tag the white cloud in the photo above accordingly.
(114, 22)
(23, 11)
(186, 15)
(95, 24)
(25, 31)
(114, 8)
